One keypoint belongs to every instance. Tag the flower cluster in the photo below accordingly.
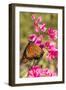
(37, 71)
(52, 33)
(38, 27)
(38, 39)
(52, 50)
(52, 54)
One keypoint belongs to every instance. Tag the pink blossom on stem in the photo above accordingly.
(49, 45)
(36, 26)
(34, 71)
(52, 33)
(36, 23)
(32, 37)
(52, 54)
(39, 19)
(52, 51)
(38, 40)
(43, 27)
(37, 71)
(48, 72)
(52, 45)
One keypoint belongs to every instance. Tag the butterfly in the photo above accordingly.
(32, 51)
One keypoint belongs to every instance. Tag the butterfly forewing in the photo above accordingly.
(33, 50)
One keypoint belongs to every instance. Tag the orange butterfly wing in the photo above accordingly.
(33, 51)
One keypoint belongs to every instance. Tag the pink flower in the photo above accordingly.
(38, 27)
(32, 37)
(49, 45)
(37, 71)
(36, 23)
(49, 73)
(39, 19)
(52, 45)
(52, 51)
(43, 27)
(52, 54)
(34, 71)
(52, 33)
(38, 40)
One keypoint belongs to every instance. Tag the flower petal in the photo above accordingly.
(39, 19)
(32, 37)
